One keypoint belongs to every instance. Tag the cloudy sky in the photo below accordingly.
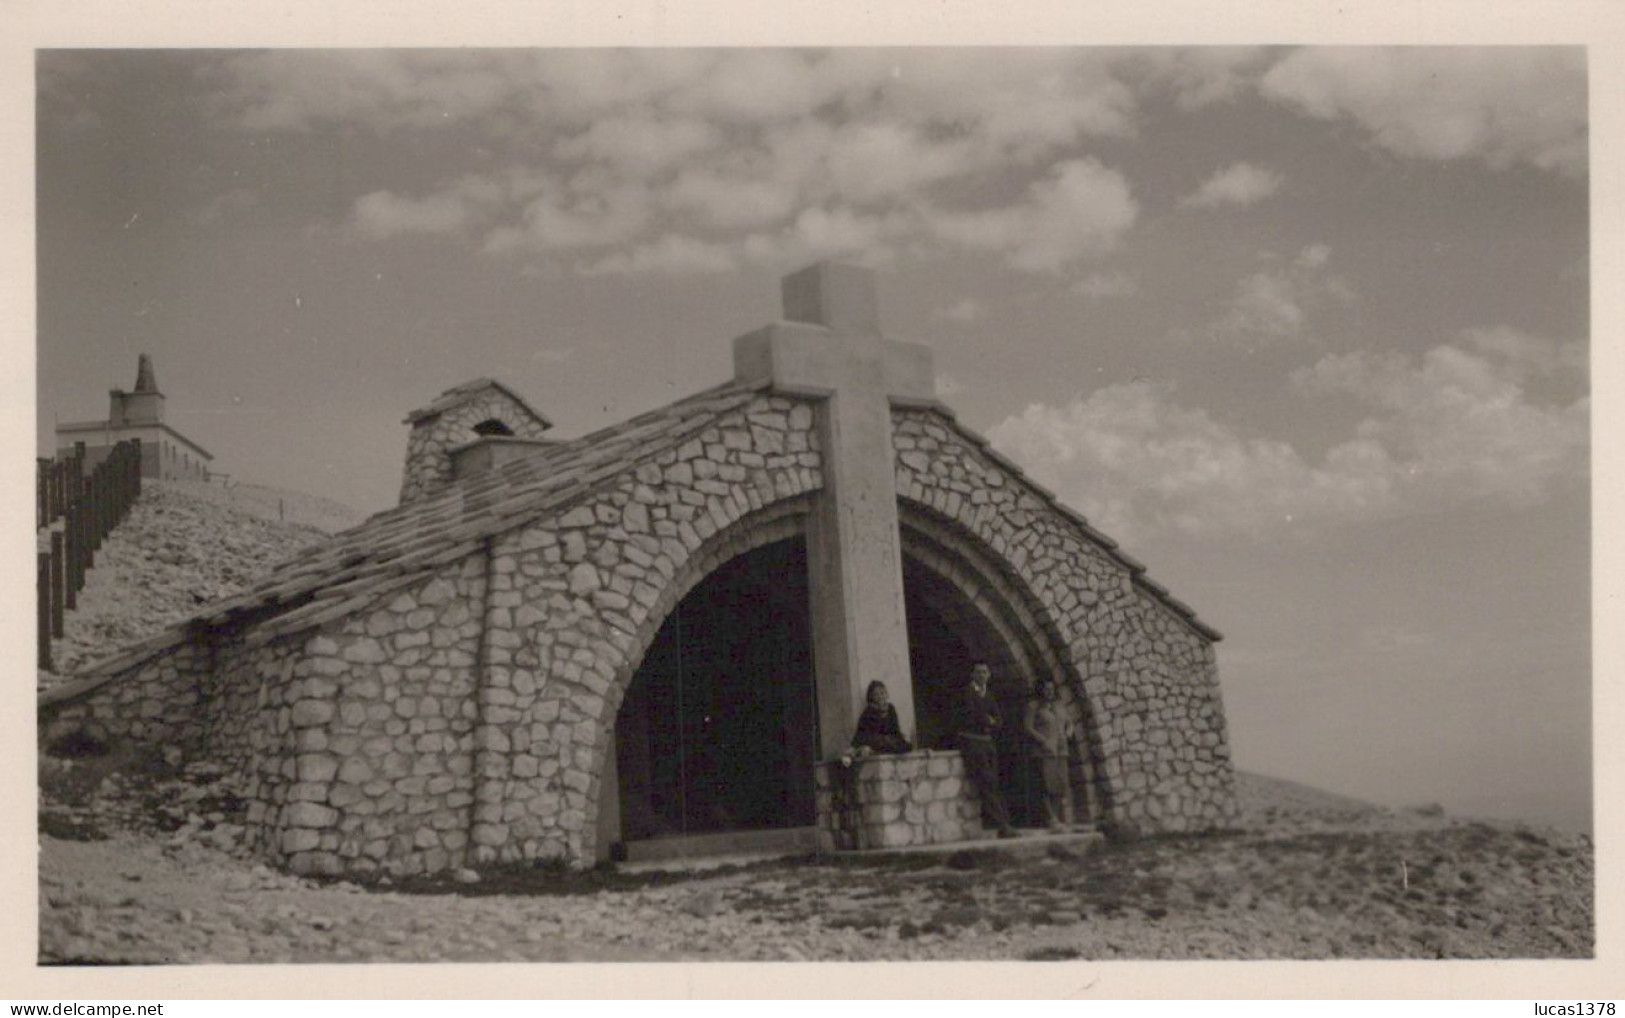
(1306, 330)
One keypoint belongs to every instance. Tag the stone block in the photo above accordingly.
(893, 835)
(309, 814)
(365, 650)
(306, 713)
(317, 767)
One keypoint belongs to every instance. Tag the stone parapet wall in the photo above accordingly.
(428, 446)
(1143, 677)
(920, 798)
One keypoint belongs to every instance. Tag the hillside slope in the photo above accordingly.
(183, 545)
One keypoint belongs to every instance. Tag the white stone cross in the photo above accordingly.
(831, 347)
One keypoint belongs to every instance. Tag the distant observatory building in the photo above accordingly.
(166, 454)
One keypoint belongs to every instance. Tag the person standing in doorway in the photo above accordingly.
(1051, 732)
(978, 722)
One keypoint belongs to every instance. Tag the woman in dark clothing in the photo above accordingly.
(878, 728)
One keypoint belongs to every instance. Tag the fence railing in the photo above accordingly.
(89, 504)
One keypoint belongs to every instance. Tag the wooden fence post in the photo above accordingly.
(44, 585)
(70, 535)
(58, 579)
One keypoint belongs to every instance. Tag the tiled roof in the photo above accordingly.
(459, 394)
(401, 547)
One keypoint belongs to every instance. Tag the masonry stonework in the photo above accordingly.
(1144, 677)
(582, 595)
(435, 434)
(911, 799)
(439, 687)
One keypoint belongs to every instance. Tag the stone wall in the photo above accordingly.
(221, 701)
(1143, 679)
(577, 598)
(920, 798)
(247, 699)
(157, 703)
(429, 445)
(381, 715)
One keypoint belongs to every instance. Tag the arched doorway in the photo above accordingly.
(718, 729)
(947, 634)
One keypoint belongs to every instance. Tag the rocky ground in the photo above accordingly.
(139, 860)
(139, 864)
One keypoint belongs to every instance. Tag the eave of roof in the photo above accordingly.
(109, 428)
(457, 395)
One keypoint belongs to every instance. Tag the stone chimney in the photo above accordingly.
(467, 429)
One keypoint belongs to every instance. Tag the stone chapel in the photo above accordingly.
(660, 634)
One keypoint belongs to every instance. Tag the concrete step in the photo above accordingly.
(756, 844)
(734, 848)
(1027, 843)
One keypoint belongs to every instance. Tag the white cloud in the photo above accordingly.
(382, 214)
(965, 309)
(1201, 76)
(1503, 105)
(722, 201)
(1461, 421)
(1104, 285)
(824, 233)
(1239, 184)
(228, 205)
(460, 207)
(1453, 427)
(640, 146)
(1134, 463)
(947, 386)
(1081, 209)
(679, 159)
(589, 215)
(670, 255)
(1019, 101)
(1274, 304)
(872, 162)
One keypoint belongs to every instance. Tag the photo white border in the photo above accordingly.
(29, 24)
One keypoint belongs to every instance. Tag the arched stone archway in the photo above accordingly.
(1010, 628)
(725, 552)
(576, 600)
(946, 571)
